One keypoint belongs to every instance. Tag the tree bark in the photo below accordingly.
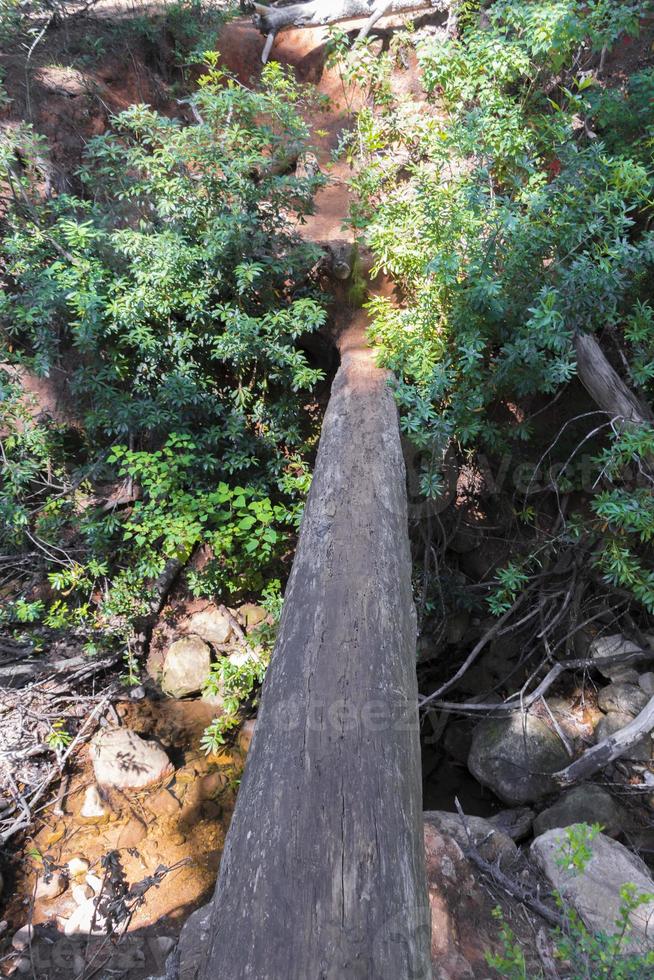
(323, 871)
(316, 13)
(604, 384)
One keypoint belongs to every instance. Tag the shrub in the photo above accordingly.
(174, 294)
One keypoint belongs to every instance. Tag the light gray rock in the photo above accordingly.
(124, 760)
(186, 667)
(515, 823)
(491, 843)
(615, 645)
(646, 682)
(587, 803)
(612, 723)
(23, 937)
(516, 756)
(618, 696)
(595, 891)
(209, 624)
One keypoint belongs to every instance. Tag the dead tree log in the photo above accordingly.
(316, 13)
(604, 384)
(323, 871)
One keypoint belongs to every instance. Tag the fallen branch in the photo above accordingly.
(510, 885)
(317, 13)
(520, 702)
(609, 749)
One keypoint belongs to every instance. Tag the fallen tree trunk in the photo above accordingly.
(315, 13)
(604, 384)
(323, 871)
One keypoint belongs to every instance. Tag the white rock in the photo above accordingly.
(23, 937)
(85, 921)
(95, 883)
(595, 891)
(123, 759)
(186, 667)
(93, 808)
(82, 893)
(77, 867)
(51, 886)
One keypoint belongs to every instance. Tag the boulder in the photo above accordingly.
(186, 667)
(124, 760)
(251, 615)
(515, 823)
(491, 843)
(515, 756)
(595, 891)
(209, 624)
(612, 723)
(615, 645)
(619, 696)
(587, 803)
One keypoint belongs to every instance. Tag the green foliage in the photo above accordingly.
(511, 961)
(58, 738)
(508, 226)
(235, 680)
(575, 851)
(174, 293)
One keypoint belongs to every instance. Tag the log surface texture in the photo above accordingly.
(318, 12)
(323, 876)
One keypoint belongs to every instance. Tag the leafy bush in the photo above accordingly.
(174, 294)
(509, 226)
